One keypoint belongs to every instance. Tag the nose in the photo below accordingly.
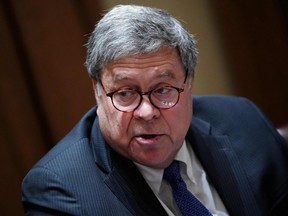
(146, 110)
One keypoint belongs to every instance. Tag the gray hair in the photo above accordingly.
(131, 30)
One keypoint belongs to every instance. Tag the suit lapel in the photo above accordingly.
(223, 168)
(132, 188)
(124, 179)
(218, 158)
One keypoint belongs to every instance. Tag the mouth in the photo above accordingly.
(148, 136)
(148, 139)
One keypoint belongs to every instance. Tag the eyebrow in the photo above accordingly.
(120, 77)
(167, 74)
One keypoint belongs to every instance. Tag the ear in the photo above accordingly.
(190, 80)
(94, 83)
(96, 88)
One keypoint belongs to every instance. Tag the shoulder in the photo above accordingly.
(73, 144)
(228, 110)
(51, 181)
(72, 151)
(72, 154)
(237, 117)
(219, 103)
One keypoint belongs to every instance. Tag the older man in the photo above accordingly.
(148, 148)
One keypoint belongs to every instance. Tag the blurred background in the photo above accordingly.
(44, 87)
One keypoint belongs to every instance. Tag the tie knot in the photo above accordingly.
(172, 172)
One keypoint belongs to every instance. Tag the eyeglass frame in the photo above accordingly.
(110, 95)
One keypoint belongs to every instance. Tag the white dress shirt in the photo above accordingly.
(195, 179)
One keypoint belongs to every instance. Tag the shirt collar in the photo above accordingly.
(154, 176)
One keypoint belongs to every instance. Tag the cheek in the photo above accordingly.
(181, 119)
(114, 125)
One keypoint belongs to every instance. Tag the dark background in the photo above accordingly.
(44, 88)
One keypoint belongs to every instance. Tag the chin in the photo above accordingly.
(156, 163)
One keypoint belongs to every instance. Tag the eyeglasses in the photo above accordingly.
(128, 100)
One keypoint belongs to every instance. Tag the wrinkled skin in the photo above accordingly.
(147, 135)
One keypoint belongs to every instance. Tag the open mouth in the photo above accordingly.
(148, 139)
(148, 136)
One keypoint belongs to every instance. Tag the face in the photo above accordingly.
(147, 135)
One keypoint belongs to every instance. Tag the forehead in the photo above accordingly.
(165, 62)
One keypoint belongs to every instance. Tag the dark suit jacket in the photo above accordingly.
(244, 157)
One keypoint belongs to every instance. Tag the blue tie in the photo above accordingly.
(188, 204)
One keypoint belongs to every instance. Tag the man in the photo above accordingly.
(121, 158)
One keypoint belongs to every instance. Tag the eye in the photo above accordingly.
(125, 96)
(124, 93)
(165, 93)
(163, 90)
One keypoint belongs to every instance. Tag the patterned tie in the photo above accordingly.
(188, 204)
